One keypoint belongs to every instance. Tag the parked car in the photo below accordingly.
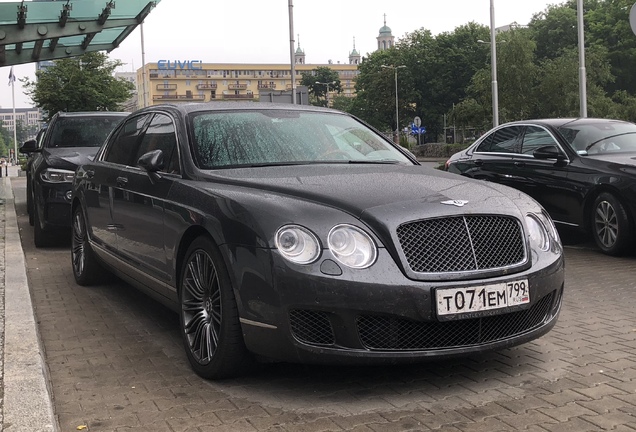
(67, 141)
(299, 234)
(582, 171)
(24, 149)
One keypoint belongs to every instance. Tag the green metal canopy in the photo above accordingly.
(32, 31)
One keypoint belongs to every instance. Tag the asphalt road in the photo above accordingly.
(116, 363)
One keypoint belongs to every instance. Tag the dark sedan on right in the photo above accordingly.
(583, 172)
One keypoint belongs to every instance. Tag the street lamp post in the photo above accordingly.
(493, 65)
(397, 112)
(326, 94)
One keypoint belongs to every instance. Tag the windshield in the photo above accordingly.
(600, 137)
(280, 137)
(89, 131)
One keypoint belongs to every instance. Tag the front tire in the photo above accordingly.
(41, 238)
(86, 268)
(209, 316)
(611, 227)
(29, 203)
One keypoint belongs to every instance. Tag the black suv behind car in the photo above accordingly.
(69, 140)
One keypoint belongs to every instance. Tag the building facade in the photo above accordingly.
(195, 81)
(30, 118)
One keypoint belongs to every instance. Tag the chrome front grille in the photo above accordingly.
(462, 243)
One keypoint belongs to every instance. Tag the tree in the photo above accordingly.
(4, 151)
(21, 132)
(84, 83)
(322, 74)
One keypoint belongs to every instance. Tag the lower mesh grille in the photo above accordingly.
(387, 333)
(311, 327)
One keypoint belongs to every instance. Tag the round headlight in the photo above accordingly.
(352, 246)
(538, 233)
(297, 244)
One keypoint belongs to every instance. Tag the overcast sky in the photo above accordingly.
(257, 31)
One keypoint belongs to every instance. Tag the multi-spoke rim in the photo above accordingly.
(606, 222)
(201, 306)
(78, 250)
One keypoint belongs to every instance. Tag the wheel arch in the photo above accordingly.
(193, 232)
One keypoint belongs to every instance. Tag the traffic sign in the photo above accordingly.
(417, 121)
(632, 18)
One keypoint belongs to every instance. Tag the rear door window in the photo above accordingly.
(503, 140)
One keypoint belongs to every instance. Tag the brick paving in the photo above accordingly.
(116, 364)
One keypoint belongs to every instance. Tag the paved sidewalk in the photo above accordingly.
(26, 401)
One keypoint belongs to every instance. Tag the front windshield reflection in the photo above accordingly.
(271, 137)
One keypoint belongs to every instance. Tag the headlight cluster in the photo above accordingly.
(52, 175)
(542, 231)
(350, 245)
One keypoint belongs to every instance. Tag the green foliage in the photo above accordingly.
(316, 82)
(84, 83)
(537, 71)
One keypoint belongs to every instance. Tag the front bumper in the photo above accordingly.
(56, 204)
(379, 315)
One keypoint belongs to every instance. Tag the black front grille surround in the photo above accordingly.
(469, 243)
(391, 333)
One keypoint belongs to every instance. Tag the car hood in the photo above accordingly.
(617, 158)
(385, 193)
(69, 157)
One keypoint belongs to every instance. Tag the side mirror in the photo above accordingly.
(151, 161)
(29, 146)
(549, 152)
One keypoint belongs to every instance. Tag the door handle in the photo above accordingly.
(479, 162)
(122, 181)
(520, 164)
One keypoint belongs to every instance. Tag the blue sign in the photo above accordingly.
(178, 64)
(417, 130)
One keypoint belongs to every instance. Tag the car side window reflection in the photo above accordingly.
(161, 135)
(123, 147)
(534, 138)
(504, 140)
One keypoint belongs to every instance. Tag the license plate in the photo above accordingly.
(477, 300)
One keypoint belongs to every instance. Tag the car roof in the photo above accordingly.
(92, 113)
(560, 122)
(187, 108)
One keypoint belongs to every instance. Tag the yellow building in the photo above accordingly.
(192, 80)
(195, 81)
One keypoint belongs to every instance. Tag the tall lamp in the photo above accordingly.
(397, 112)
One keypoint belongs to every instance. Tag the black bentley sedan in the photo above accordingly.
(583, 172)
(300, 234)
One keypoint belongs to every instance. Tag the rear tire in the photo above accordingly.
(611, 228)
(86, 268)
(209, 316)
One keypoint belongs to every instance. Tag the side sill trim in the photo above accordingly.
(256, 323)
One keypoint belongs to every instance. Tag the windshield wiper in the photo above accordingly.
(379, 161)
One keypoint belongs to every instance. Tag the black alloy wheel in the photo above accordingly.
(86, 269)
(611, 227)
(209, 316)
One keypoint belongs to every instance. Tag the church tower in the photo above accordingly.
(299, 56)
(354, 56)
(385, 40)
